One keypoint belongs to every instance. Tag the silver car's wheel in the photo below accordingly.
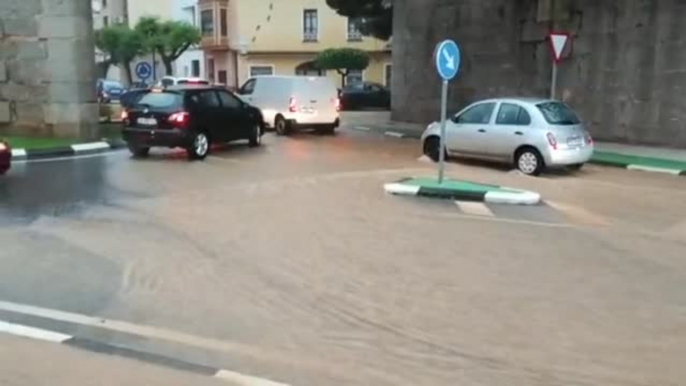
(281, 126)
(530, 162)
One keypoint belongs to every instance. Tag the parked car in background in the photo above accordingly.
(192, 118)
(5, 157)
(293, 102)
(109, 90)
(530, 133)
(174, 81)
(365, 95)
(131, 97)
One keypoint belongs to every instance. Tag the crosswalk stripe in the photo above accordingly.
(579, 215)
(474, 208)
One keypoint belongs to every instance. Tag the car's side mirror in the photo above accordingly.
(455, 119)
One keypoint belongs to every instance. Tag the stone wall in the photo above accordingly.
(47, 71)
(626, 73)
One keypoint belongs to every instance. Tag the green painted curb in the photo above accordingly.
(625, 160)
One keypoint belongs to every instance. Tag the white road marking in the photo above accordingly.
(68, 158)
(90, 146)
(394, 134)
(21, 153)
(245, 380)
(125, 327)
(653, 169)
(401, 189)
(362, 128)
(519, 197)
(425, 159)
(474, 208)
(32, 332)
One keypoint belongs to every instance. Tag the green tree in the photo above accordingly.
(343, 60)
(376, 16)
(170, 39)
(120, 45)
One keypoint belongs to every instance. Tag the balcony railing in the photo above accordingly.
(212, 43)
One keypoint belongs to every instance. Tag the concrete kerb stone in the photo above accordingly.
(497, 195)
(66, 151)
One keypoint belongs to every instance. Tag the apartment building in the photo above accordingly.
(191, 62)
(108, 12)
(244, 38)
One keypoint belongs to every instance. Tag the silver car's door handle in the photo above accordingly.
(518, 133)
(482, 130)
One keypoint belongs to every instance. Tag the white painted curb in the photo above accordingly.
(400, 189)
(517, 197)
(90, 146)
(654, 169)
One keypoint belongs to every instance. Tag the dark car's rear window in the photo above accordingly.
(557, 113)
(161, 100)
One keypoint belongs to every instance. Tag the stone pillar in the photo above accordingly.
(47, 69)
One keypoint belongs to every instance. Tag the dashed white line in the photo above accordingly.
(362, 128)
(474, 208)
(245, 380)
(394, 134)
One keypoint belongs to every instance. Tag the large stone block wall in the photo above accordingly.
(47, 71)
(626, 73)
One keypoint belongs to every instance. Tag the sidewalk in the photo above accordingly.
(646, 158)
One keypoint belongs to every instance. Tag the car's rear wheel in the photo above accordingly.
(529, 161)
(255, 139)
(281, 126)
(432, 148)
(200, 146)
(139, 151)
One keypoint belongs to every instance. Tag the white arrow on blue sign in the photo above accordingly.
(144, 70)
(448, 59)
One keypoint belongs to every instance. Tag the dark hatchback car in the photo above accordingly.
(129, 98)
(190, 117)
(365, 95)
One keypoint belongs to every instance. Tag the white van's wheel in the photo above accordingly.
(281, 126)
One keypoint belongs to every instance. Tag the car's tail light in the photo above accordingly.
(293, 105)
(552, 140)
(337, 103)
(3, 147)
(124, 116)
(589, 139)
(180, 119)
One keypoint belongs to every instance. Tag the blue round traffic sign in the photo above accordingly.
(447, 59)
(144, 70)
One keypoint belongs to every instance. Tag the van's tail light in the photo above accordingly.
(552, 140)
(337, 103)
(180, 119)
(589, 139)
(3, 147)
(293, 105)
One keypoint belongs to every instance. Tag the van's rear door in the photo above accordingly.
(317, 97)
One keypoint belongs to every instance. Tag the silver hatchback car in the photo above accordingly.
(530, 133)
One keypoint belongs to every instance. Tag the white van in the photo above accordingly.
(291, 102)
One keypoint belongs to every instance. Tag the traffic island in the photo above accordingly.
(462, 191)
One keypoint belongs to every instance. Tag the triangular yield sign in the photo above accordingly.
(558, 41)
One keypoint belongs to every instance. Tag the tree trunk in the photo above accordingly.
(344, 74)
(168, 66)
(128, 72)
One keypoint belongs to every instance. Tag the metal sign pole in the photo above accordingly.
(444, 113)
(553, 82)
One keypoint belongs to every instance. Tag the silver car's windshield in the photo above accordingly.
(557, 113)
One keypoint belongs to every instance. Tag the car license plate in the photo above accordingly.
(575, 141)
(147, 121)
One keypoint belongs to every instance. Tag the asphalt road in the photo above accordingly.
(289, 263)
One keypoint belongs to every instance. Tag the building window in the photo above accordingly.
(190, 16)
(207, 22)
(261, 70)
(222, 77)
(195, 68)
(224, 28)
(389, 75)
(105, 21)
(354, 77)
(354, 33)
(210, 70)
(310, 25)
(104, 3)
